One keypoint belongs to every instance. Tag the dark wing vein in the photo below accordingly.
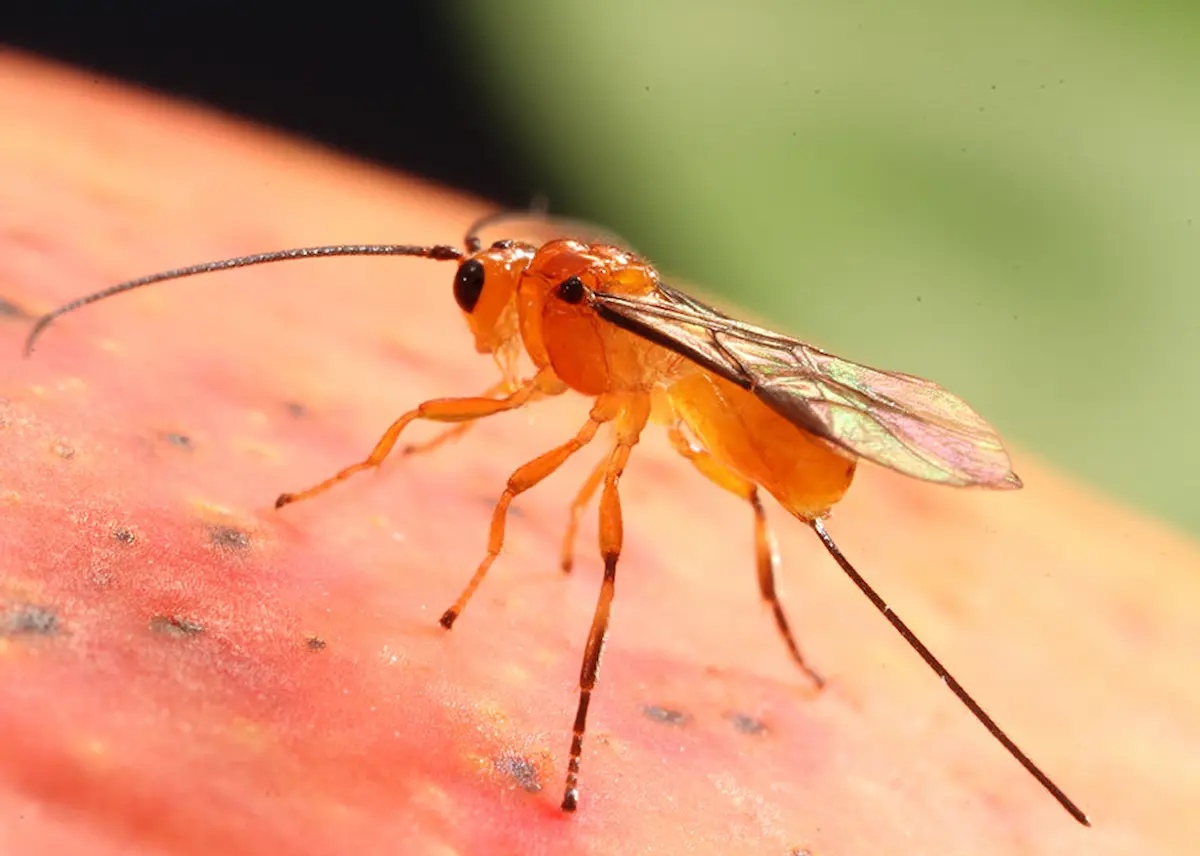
(897, 420)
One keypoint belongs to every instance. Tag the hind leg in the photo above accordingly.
(765, 549)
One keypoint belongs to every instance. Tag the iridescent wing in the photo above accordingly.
(902, 422)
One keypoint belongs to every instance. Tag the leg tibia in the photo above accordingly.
(765, 550)
(460, 410)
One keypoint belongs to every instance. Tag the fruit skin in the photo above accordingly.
(185, 670)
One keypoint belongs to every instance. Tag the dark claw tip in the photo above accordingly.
(448, 618)
(283, 499)
(570, 800)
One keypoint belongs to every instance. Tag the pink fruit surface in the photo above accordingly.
(184, 669)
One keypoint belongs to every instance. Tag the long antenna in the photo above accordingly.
(955, 687)
(439, 252)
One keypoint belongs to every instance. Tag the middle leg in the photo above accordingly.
(630, 422)
(522, 479)
(577, 508)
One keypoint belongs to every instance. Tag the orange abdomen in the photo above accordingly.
(803, 472)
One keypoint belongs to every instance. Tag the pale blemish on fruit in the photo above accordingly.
(492, 711)
(434, 799)
(29, 620)
(94, 748)
(63, 448)
(665, 715)
(249, 733)
(259, 450)
(520, 770)
(175, 625)
(513, 675)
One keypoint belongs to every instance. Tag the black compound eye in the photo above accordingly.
(468, 284)
(570, 290)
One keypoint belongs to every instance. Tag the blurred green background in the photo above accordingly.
(1004, 197)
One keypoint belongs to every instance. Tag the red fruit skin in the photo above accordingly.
(184, 669)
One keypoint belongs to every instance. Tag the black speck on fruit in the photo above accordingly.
(665, 715)
(29, 620)
(747, 724)
(179, 441)
(229, 537)
(123, 535)
(9, 309)
(520, 770)
(175, 625)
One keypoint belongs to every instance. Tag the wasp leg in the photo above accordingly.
(629, 428)
(765, 549)
(459, 410)
(522, 479)
(454, 431)
(577, 507)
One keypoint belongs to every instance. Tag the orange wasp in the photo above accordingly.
(751, 409)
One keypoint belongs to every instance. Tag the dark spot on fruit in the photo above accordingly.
(125, 536)
(315, 643)
(8, 309)
(296, 409)
(179, 441)
(747, 724)
(520, 770)
(31, 620)
(229, 538)
(63, 449)
(175, 625)
(665, 715)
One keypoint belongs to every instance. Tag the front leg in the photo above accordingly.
(453, 410)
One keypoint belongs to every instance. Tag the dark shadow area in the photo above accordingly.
(398, 87)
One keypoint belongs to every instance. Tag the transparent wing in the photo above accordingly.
(899, 421)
